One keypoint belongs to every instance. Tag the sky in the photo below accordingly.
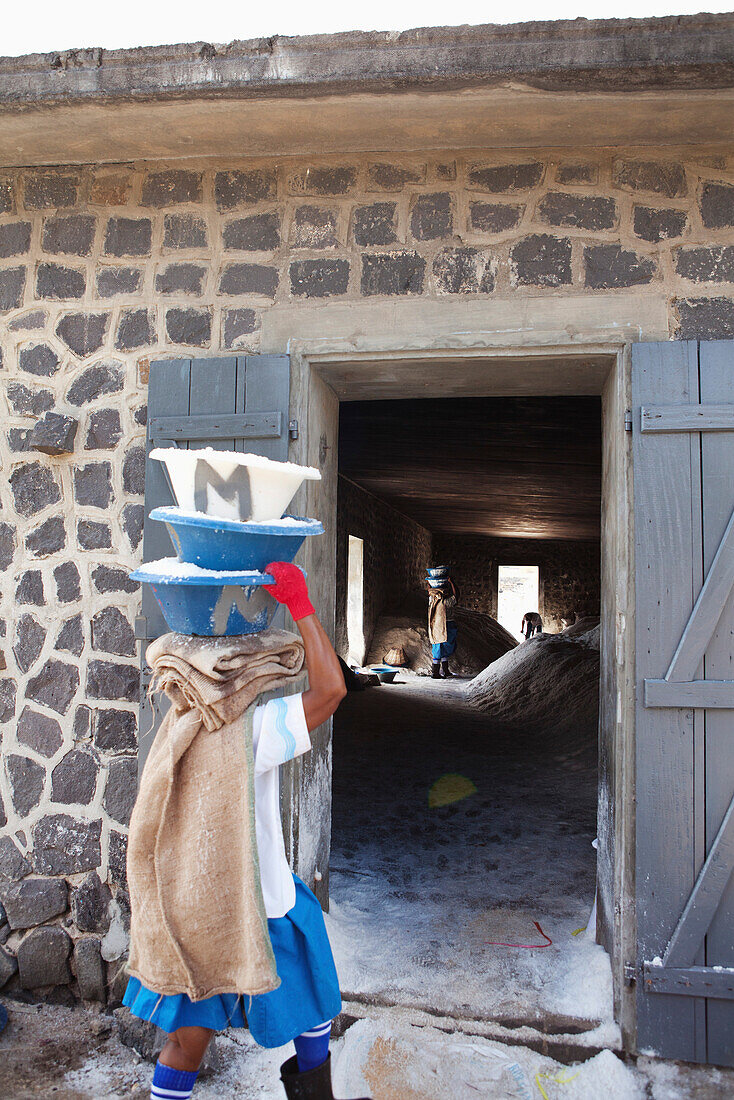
(48, 25)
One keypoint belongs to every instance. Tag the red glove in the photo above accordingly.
(289, 588)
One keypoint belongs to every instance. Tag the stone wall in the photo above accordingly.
(102, 270)
(397, 552)
(570, 582)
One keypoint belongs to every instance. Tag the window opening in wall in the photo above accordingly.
(355, 600)
(518, 591)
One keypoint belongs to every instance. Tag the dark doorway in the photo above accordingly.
(464, 810)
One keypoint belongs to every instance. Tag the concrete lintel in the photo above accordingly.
(675, 51)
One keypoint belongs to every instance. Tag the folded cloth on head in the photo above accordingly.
(198, 923)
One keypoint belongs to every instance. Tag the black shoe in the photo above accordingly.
(445, 674)
(436, 670)
(315, 1084)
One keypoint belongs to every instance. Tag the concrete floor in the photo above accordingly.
(419, 890)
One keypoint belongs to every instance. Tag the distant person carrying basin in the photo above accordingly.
(442, 600)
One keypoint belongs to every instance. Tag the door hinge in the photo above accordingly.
(628, 420)
(293, 429)
(630, 973)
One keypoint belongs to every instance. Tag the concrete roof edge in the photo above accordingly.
(693, 51)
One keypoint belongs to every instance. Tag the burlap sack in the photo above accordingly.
(198, 923)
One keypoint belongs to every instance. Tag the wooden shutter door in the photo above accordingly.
(683, 460)
(236, 404)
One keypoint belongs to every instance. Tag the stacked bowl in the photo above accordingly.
(228, 523)
(437, 576)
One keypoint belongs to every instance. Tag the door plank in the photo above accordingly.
(717, 453)
(707, 610)
(687, 418)
(705, 897)
(267, 387)
(692, 981)
(213, 383)
(666, 547)
(717, 694)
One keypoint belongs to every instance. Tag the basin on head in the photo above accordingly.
(214, 543)
(232, 485)
(206, 602)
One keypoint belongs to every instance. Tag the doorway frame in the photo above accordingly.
(324, 369)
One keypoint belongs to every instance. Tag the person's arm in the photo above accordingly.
(326, 687)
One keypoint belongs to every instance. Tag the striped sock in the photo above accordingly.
(172, 1084)
(312, 1048)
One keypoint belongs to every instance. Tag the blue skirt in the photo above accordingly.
(308, 994)
(445, 649)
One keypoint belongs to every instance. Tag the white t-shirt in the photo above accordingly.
(279, 733)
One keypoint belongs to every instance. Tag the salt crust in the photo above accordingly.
(183, 570)
(284, 521)
(240, 458)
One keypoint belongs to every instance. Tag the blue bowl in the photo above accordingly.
(232, 602)
(230, 544)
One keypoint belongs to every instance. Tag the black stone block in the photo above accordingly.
(181, 279)
(314, 227)
(112, 680)
(112, 281)
(717, 205)
(59, 283)
(28, 322)
(184, 231)
(30, 588)
(12, 285)
(74, 779)
(375, 224)
(83, 333)
(7, 198)
(8, 692)
(29, 402)
(64, 845)
(54, 434)
(393, 273)
(55, 685)
(104, 431)
(133, 471)
(72, 235)
(542, 260)
(256, 233)
(93, 484)
(34, 488)
(502, 178)
(462, 271)
(82, 722)
(249, 279)
(48, 538)
(192, 327)
(609, 266)
(594, 212)
(112, 633)
(68, 587)
(488, 217)
(236, 188)
(577, 173)
(29, 639)
(7, 544)
(121, 789)
(71, 636)
(659, 225)
(48, 189)
(26, 779)
(136, 329)
(238, 323)
(706, 265)
(43, 958)
(93, 536)
(324, 181)
(95, 382)
(705, 318)
(658, 177)
(319, 278)
(117, 859)
(39, 359)
(89, 969)
(133, 516)
(431, 217)
(108, 579)
(15, 239)
(34, 901)
(393, 177)
(128, 237)
(13, 864)
(115, 730)
(171, 187)
(18, 439)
